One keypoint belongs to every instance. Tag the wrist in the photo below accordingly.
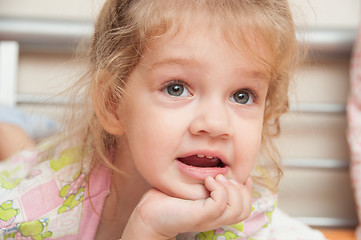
(136, 229)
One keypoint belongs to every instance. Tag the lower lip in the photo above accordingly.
(201, 172)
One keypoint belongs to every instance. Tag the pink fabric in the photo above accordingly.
(45, 192)
(354, 126)
(47, 199)
(92, 209)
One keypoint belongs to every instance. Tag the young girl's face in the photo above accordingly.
(193, 108)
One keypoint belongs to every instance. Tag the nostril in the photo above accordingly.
(211, 123)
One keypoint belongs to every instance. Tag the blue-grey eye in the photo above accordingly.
(176, 90)
(242, 97)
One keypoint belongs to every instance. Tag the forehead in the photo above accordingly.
(244, 40)
(188, 44)
(199, 56)
(247, 26)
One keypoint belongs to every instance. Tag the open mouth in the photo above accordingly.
(202, 161)
(199, 166)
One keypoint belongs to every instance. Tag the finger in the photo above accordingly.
(247, 197)
(235, 203)
(238, 201)
(204, 213)
(233, 190)
(246, 190)
(218, 194)
(249, 184)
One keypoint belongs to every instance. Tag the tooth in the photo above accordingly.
(200, 155)
(209, 157)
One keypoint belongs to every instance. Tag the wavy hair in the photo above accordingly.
(263, 29)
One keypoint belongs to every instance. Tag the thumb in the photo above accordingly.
(248, 184)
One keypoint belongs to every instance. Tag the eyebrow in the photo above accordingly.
(262, 75)
(174, 61)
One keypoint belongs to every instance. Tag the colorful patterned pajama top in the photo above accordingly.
(44, 196)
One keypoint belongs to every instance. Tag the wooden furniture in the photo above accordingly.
(338, 233)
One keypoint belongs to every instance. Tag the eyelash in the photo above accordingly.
(164, 87)
(252, 93)
(173, 83)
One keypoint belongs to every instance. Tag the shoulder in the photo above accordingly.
(41, 189)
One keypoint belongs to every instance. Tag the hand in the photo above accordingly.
(16, 139)
(159, 216)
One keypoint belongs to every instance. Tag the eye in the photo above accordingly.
(242, 97)
(176, 89)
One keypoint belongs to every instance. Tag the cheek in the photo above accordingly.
(153, 137)
(247, 151)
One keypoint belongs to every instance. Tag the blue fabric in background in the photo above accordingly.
(36, 126)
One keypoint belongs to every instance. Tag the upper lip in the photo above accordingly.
(207, 153)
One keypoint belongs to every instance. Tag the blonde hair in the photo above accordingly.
(124, 27)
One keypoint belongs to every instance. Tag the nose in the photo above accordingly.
(212, 119)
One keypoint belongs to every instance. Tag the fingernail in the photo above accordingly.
(221, 178)
(233, 181)
(209, 178)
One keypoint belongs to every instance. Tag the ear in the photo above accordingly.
(105, 106)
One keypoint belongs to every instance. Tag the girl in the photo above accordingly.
(179, 97)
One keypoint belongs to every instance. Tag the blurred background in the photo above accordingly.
(38, 39)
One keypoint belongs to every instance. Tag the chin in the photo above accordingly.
(193, 192)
